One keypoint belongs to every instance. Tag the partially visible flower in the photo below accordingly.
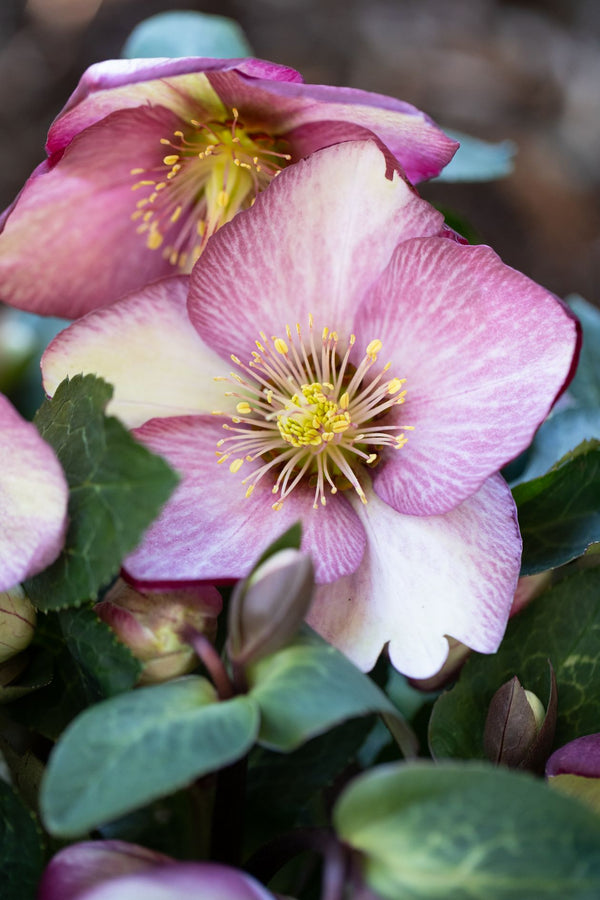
(389, 463)
(149, 157)
(151, 625)
(116, 870)
(514, 733)
(575, 769)
(17, 622)
(33, 500)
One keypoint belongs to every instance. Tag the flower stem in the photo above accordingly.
(212, 662)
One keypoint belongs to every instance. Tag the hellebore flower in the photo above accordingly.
(381, 375)
(116, 870)
(149, 157)
(33, 500)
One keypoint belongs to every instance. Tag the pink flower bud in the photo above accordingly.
(17, 622)
(151, 624)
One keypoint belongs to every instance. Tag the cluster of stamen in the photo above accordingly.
(308, 413)
(210, 172)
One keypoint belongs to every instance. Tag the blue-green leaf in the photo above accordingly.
(187, 33)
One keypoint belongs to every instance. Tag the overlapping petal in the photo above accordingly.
(484, 350)
(65, 238)
(306, 258)
(146, 348)
(33, 500)
(425, 577)
(210, 531)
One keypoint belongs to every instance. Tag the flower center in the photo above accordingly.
(310, 414)
(210, 172)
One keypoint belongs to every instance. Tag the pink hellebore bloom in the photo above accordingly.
(33, 500)
(116, 870)
(382, 373)
(149, 157)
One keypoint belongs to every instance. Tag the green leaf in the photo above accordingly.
(187, 33)
(585, 387)
(138, 746)
(559, 513)
(307, 688)
(21, 847)
(109, 665)
(562, 625)
(469, 831)
(477, 160)
(117, 487)
(557, 437)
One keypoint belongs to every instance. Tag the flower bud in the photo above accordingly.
(518, 731)
(269, 606)
(17, 622)
(151, 624)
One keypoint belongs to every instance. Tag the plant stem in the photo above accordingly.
(212, 662)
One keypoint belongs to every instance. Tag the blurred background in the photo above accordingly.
(528, 71)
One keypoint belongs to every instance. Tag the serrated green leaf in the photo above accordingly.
(129, 750)
(562, 625)
(559, 513)
(116, 486)
(109, 665)
(187, 33)
(307, 688)
(465, 831)
(21, 847)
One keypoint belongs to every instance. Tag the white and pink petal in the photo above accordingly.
(423, 579)
(33, 500)
(311, 245)
(210, 531)
(485, 351)
(145, 346)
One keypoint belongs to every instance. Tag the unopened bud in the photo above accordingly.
(268, 608)
(17, 622)
(151, 625)
(518, 730)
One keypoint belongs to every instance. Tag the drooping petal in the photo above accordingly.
(423, 578)
(312, 244)
(210, 531)
(80, 866)
(33, 499)
(125, 83)
(485, 351)
(146, 347)
(69, 244)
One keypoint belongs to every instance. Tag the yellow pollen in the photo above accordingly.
(223, 199)
(373, 349)
(244, 408)
(136, 171)
(176, 213)
(395, 384)
(236, 465)
(154, 240)
(171, 160)
(281, 346)
(345, 400)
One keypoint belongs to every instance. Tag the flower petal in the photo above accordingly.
(181, 881)
(210, 531)
(423, 578)
(117, 84)
(485, 351)
(33, 500)
(146, 347)
(312, 243)
(61, 245)
(80, 866)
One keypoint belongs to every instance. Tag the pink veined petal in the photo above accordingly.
(147, 348)
(485, 351)
(33, 500)
(311, 244)
(70, 245)
(210, 531)
(181, 881)
(117, 84)
(423, 578)
(80, 866)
